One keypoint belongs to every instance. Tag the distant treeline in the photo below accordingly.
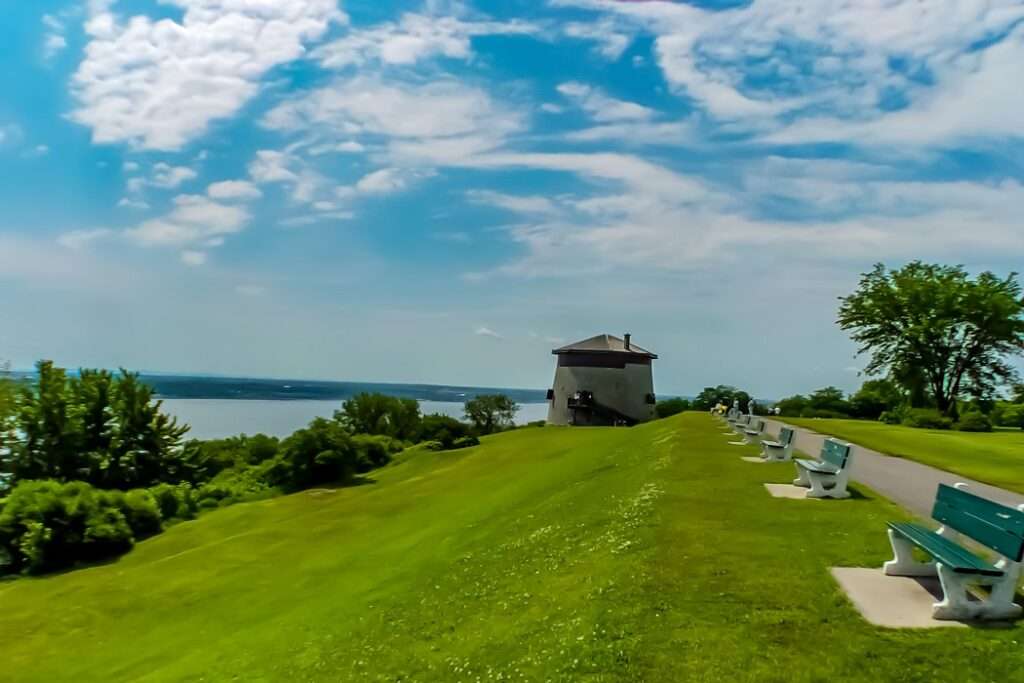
(242, 388)
(89, 463)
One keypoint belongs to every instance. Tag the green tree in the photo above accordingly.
(793, 406)
(875, 397)
(103, 429)
(671, 406)
(8, 409)
(374, 413)
(709, 397)
(490, 413)
(959, 332)
(321, 453)
(830, 399)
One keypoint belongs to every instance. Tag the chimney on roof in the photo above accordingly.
(625, 341)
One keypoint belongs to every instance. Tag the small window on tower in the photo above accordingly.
(650, 399)
(551, 394)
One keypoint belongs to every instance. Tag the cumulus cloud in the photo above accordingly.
(194, 220)
(79, 239)
(610, 37)
(193, 258)
(412, 38)
(234, 189)
(487, 332)
(169, 177)
(601, 107)
(821, 71)
(159, 84)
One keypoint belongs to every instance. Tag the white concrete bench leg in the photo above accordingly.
(1000, 604)
(903, 562)
(954, 603)
(819, 481)
(801, 477)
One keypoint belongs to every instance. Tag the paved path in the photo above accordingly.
(906, 482)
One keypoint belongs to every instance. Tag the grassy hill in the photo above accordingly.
(644, 554)
(995, 458)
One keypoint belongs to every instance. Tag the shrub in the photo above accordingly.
(926, 418)
(321, 453)
(432, 446)
(974, 422)
(232, 486)
(374, 451)
(1009, 415)
(175, 501)
(140, 509)
(891, 417)
(466, 442)
(442, 428)
(47, 525)
(537, 423)
(671, 406)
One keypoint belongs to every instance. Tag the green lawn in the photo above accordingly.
(555, 554)
(995, 458)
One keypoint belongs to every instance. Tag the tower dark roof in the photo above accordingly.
(604, 343)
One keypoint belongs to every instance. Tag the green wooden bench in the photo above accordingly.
(828, 476)
(780, 449)
(988, 524)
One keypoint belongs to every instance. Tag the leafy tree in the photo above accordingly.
(875, 397)
(490, 413)
(442, 428)
(709, 397)
(793, 406)
(374, 413)
(1017, 393)
(8, 408)
(957, 331)
(323, 452)
(671, 406)
(829, 399)
(103, 429)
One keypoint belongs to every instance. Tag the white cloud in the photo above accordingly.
(194, 220)
(193, 258)
(515, 203)
(350, 147)
(159, 84)
(130, 167)
(829, 65)
(487, 332)
(234, 189)
(611, 40)
(413, 38)
(79, 239)
(128, 203)
(272, 166)
(441, 108)
(601, 107)
(53, 45)
(169, 177)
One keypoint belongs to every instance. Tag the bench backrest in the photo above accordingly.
(786, 436)
(835, 453)
(993, 525)
(756, 423)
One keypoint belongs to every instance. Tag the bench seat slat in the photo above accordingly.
(815, 466)
(949, 553)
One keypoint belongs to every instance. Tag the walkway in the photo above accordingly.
(903, 481)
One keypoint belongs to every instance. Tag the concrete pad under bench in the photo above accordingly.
(753, 458)
(788, 491)
(892, 601)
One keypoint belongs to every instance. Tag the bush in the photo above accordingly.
(48, 525)
(1008, 415)
(671, 406)
(375, 451)
(175, 501)
(892, 417)
(926, 418)
(432, 446)
(974, 422)
(442, 428)
(232, 486)
(140, 509)
(321, 453)
(466, 442)
(537, 423)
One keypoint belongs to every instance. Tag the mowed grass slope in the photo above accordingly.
(995, 458)
(644, 554)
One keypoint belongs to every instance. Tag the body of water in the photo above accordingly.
(215, 418)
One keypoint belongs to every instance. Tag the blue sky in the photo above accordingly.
(443, 191)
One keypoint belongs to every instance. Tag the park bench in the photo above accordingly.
(780, 449)
(828, 476)
(753, 431)
(740, 423)
(985, 522)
